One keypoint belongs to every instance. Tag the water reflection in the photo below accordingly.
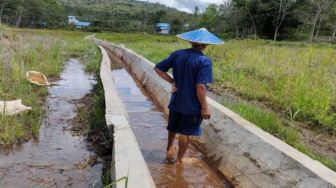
(56, 159)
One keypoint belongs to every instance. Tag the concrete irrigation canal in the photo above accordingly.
(231, 148)
(232, 152)
(148, 125)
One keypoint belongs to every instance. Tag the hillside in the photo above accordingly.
(124, 15)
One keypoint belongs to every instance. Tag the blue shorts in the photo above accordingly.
(184, 124)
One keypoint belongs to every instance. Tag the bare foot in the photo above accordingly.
(179, 162)
(169, 161)
(171, 153)
(187, 160)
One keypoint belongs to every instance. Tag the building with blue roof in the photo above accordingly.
(78, 24)
(162, 28)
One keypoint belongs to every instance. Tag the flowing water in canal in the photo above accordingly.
(149, 126)
(58, 158)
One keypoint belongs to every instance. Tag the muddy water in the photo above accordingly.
(57, 159)
(148, 124)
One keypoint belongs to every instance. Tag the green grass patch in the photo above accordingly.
(264, 119)
(269, 122)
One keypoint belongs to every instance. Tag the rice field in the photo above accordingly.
(292, 80)
(39, 50)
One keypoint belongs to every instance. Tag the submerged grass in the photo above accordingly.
(92, 117)
(39, 50)
(294, 79)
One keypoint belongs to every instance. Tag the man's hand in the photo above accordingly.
(174, 88)
(201, 95)
(205, 113)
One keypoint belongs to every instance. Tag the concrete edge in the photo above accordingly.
(127, 159)
(299, 170)
(313, 165)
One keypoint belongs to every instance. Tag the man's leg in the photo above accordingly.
(183, 145)
(170, 146)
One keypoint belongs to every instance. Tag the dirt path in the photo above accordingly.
(57, 158)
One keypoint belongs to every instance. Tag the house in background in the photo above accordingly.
(162, 28)
(78, 24)
(186, 27)
(72, 19)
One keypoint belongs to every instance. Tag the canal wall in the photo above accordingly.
(127, 160)
(242, 152)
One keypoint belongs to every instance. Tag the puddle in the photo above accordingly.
(56, 159)
(149, 126)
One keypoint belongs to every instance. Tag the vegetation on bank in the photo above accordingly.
(294, 80)
(44, 51)
(104, 15)
(272, 19)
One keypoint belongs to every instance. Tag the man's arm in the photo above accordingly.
(201, 95)
(166, 77)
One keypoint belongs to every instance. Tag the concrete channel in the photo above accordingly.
(243, 153)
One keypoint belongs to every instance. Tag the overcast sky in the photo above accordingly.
(186, 5)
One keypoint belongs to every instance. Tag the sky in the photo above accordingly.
(186, 5)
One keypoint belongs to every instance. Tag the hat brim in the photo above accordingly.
(199, 41)
(200, 36)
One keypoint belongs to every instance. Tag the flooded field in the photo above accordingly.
(149, 126)
(58, 158)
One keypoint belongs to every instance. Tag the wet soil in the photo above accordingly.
(149, 126)
(321, 143)
(57, 158)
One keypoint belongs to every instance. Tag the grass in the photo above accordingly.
(293, 79)
(296, 79)
(117, 181)
(98, 128)
(268, 121)
(39, 50)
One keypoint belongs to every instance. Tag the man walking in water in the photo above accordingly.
(192, 71)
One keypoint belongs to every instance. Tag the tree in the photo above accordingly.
(23, 13)
(320, 6)
(196, 11)
(284, 6)
(209, 17)
(157, 16)
(176, 25)
(3, 4)
(247, 5)
(332, 16)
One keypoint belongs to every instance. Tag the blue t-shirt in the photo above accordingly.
(190, 67)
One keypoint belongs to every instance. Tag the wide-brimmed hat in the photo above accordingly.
(201, 36)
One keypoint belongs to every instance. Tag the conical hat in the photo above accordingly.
(201, 36)
(37, 78)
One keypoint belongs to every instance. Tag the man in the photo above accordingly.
(192, 71)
